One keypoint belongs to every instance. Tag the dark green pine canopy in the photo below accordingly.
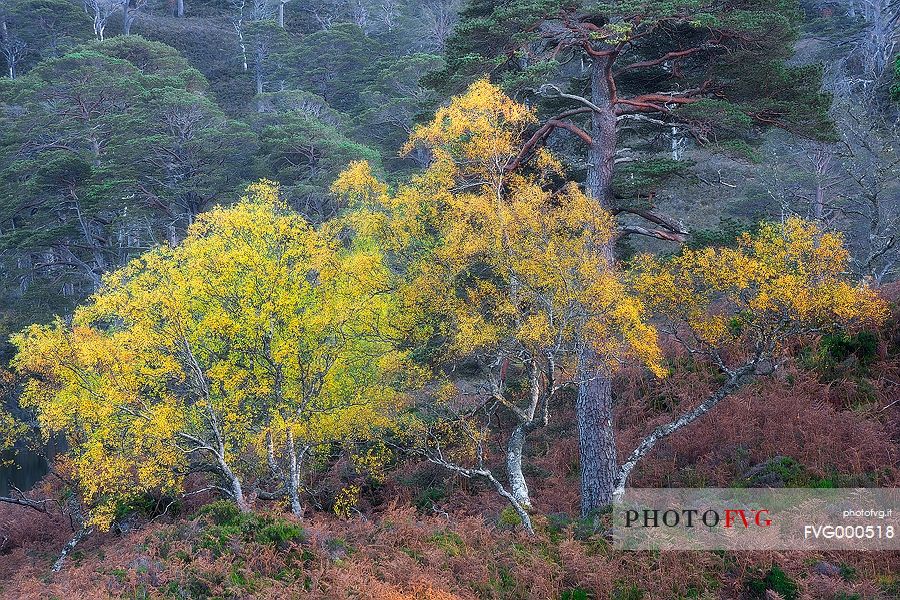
(717, 71)
(730, 56)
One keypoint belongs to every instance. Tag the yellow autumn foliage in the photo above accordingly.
(255, 327)
(785, 279)
(491, 256)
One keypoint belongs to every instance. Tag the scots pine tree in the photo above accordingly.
(616, 73)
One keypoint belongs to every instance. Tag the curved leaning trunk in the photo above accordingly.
(735, 381)
(236, 489)
(514, 447)
(594, 403)
(535, 416)
(80, 535)
(77, 518)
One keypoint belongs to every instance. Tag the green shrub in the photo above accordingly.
(840, 354)
(556, 526)
(505, 582)
(221, 512)
(279, 533)
(429, 497)
(776, 580)
(509, 517)
(227, 523)
(449, 542)
(848, 573)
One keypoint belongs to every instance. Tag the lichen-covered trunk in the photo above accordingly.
(293, 483)
(234, 484)
(594, 403)
(735, 380)
(69, 547)
(514, 447)
(76, 516)
(237, 492)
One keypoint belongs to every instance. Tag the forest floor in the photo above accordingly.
(826, 421)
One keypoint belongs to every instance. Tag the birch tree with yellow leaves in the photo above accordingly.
(247, 351)
(504, 277)
(738, 307)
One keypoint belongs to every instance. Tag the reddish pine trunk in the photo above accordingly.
(594, 404)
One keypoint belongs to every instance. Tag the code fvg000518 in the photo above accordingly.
(849, 532)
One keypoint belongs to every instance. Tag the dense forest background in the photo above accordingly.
(189, 109)
(192, 107)
(123, 123)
